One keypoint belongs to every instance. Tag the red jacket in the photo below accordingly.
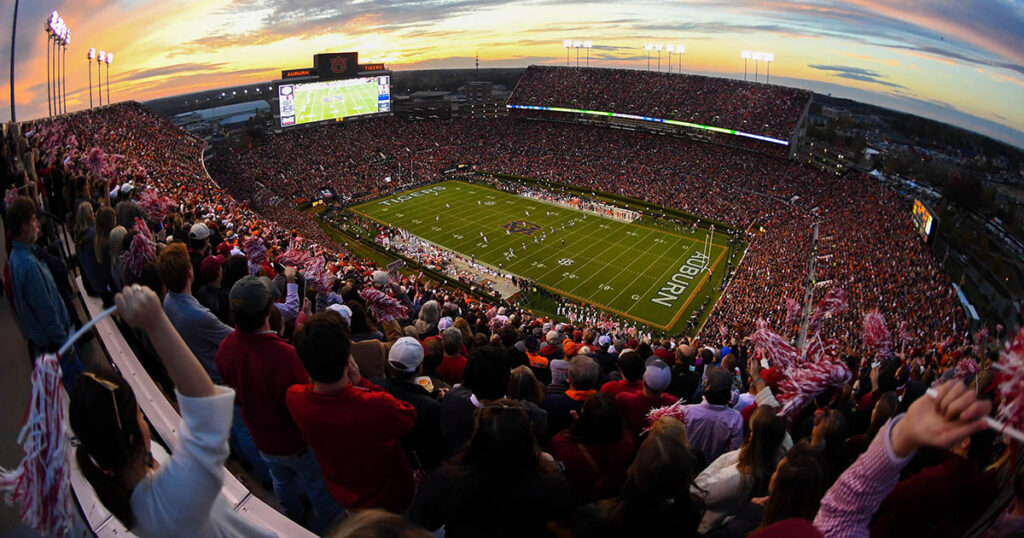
(451, 368)
(261, 367)
(615, 387)
(354, 432)
(636, 405)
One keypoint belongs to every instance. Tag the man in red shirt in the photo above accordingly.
(636, 405)
(353, 425)
(260, 366)
(453, 363)
(631, 366)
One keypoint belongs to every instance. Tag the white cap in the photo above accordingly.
(406, 354)
(199, 232)
(343, 311)
(657, 376)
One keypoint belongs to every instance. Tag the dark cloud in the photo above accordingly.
(856, 73)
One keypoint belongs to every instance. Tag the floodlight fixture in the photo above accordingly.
(588, 44)
(769, 57)
(758, 56)
(92, 54)
(649, 47)
(110, 58)
(102, 57)
(567, 43)
(659, 47)
(745, 54)
(577, 44)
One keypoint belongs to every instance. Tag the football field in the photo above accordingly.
(650, 274)
(330, 101)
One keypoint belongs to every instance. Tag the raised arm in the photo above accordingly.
(140, 307)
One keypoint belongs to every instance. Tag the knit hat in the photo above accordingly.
(249, 295)
(658, 376)
(406, 354)
(532, 344)
(559, 371)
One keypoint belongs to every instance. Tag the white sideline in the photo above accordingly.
(165, 421)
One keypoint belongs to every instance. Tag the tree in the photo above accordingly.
(964, 190)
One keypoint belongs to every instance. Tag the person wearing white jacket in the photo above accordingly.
(150, 493)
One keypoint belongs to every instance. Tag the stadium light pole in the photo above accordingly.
(588, 45)
(89, 57)
(649, 47)
(49, 83)
(757, 56)
(99, 75)
(659, 47)
(680, 50)
(769, 57)
(670, 49)
(110, 60)
(568, 45)
(14, 33)
(745, 54)
(577, 45)
(64, 69)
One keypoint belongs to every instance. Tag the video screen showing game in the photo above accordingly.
(311, 102)
(923, 220)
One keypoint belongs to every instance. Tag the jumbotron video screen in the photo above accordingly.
(312, 102)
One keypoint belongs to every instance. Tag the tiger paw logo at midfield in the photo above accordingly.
(521, 227)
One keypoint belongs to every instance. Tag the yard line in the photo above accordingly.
(610, 262)
(674, 245)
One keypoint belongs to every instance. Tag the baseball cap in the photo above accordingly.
(657, 376)
(604, 340)
(444, 323)
(209, 267)
(249, 295)
(406, 354)
(380, 278)
(199, 232)
(719, 379)
(343, 311)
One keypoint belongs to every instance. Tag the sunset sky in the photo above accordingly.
(955, 61)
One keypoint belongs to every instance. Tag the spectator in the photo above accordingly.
(733, 478)
(655, 498)
(636, 405)
(712, 426)
(403, 379)
(260, 367)
(584, 375)
(539, 364)
(209, 292)
(41, 313)
(150, 492)
(352, 425)
(500, 476)
(631, 367)
(595, 450)
(453, 363)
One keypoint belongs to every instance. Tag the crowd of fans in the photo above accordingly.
(374, 396)
(719, 102)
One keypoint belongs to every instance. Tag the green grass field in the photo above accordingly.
(632, 270)
(335, 99)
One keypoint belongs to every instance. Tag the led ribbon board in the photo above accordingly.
(650, 119)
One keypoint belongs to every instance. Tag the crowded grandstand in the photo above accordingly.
(831, 386)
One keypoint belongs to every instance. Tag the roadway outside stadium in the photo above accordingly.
(632, 270)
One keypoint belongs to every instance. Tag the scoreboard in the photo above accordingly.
(335, 88)
(924, 221)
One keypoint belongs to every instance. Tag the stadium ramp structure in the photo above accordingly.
(165, 421)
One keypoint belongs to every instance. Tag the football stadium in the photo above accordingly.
(312, 271)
